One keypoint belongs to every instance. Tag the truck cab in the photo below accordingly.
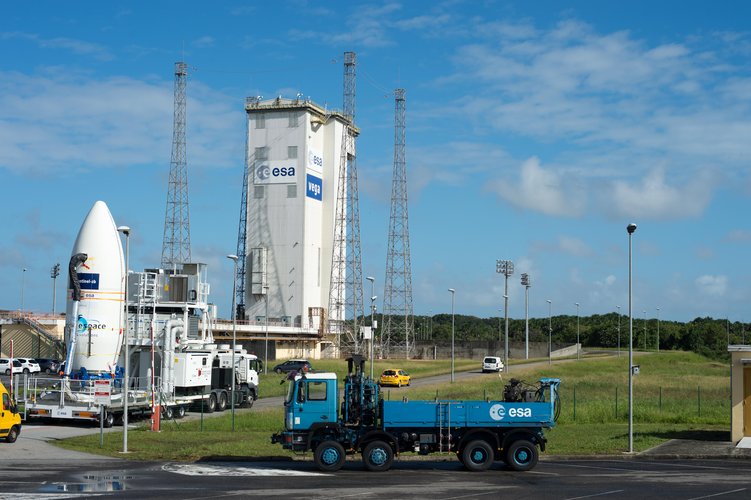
(311, 403)
(10, 420)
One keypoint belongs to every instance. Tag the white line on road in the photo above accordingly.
(597, 494)
(718, 494)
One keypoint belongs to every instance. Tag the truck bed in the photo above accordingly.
(436, 414)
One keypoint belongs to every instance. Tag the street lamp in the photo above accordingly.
(23, 282)
(372, 317)
(126, 376)
(526, 284)
(577, 330)
(619, 330)
(266, 347)
(645, 329)
(233, 258)
(658, 329)
(630, 229)
(550, 332)
(54, 273)
(505, 267)
(453, 292)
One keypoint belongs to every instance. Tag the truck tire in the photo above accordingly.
(12, 434)
(167, 412)
(522, 455)
(377, 456)
(109, 419)
(477, 456)
(221, 401)
(329, 456)
(209, 404)
(180, 411)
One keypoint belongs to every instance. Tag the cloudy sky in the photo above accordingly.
(535, 132)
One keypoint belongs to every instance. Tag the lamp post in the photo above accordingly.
(453, 292)
(630, 229)
(372, 323)
(505, 267)
(54, 273)
(645, 329)
(23, 283)
(266, 317)
(658, 329)
(126, 376)
(500, 312)
(233, 258)
(577, 330)
(526, 284)
(619, 330)
(550, 332)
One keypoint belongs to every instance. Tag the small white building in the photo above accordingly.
(294, 149)
(740, 390)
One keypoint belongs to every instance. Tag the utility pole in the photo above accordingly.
(505, 267)
(526, 283)
(54, 273)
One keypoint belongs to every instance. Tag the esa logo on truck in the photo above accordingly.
(498, 412)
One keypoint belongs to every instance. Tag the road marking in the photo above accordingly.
(597, 494)
(234, 471)
(719, 494)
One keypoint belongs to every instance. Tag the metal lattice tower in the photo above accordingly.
(176, 241)
(398, 316)
(345, 296)
(242, 231)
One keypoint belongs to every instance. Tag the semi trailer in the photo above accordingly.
(478, 432)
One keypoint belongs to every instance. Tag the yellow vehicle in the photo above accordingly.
(394, 377)
(10, 420)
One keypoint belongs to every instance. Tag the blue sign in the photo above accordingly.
(89, 281)
(314, 187)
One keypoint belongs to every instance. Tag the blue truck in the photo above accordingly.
(478, 432)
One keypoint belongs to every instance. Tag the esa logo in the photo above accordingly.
(498, 412)
(85, 325)
(266, 173)
(315, 160)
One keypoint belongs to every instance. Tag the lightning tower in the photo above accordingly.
(242, 231)
(398, 314)
(345, 296)
(176, 241)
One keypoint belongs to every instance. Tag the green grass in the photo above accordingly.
(695, 401)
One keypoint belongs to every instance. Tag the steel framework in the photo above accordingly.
(176, 241)
(242, 230)
(398, 315)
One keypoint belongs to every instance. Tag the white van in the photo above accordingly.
(492, 364)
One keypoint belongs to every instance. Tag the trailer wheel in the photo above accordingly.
(329, 456)
(180, 411)
(167, 412)
(12, 434)
(221, 401)
(109, 419)
(378, 456)
(522, 455)
(477, 456)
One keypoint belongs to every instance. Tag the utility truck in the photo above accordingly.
(478, 432)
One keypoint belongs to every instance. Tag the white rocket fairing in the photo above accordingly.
(98, 265)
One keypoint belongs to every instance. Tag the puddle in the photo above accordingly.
(92, 484)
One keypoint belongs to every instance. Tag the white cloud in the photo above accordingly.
(712, 285)
(574, 246)
(739, 235)
(75, 46)
(203, 42)
(540, 190)
(653, 197)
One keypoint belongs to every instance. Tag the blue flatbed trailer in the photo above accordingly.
(478, 432)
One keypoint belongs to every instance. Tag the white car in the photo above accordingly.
(29, 365)
(5, 366)
(492, 364)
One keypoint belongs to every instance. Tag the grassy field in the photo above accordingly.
(675, 395)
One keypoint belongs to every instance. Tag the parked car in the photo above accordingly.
(29, 365)
(5, 366)
(394, 377)
(492, 364)
(48, 365)
(293, 365)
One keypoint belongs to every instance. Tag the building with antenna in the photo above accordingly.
(294, 148)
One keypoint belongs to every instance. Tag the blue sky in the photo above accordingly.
(536, 131)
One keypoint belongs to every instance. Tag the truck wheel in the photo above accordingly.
(12, 435)
(249, 400)
(167, 412)
(329, 456)
(109, 419)
(522, 455)
(180, 411)
(221, 402)
(210, 404)
(477, 456)
(378, 456)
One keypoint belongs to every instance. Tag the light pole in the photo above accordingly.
(658, 329)
(372, 317)
(577, 330)
(645, 329)
(23, 283)
(126, 376)
(550, 332)
(526, 284)
(54, 273)
(619, 330)
(266, 347)
(630, 229)
(505, 267)
(453, 292)
(233, 258)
